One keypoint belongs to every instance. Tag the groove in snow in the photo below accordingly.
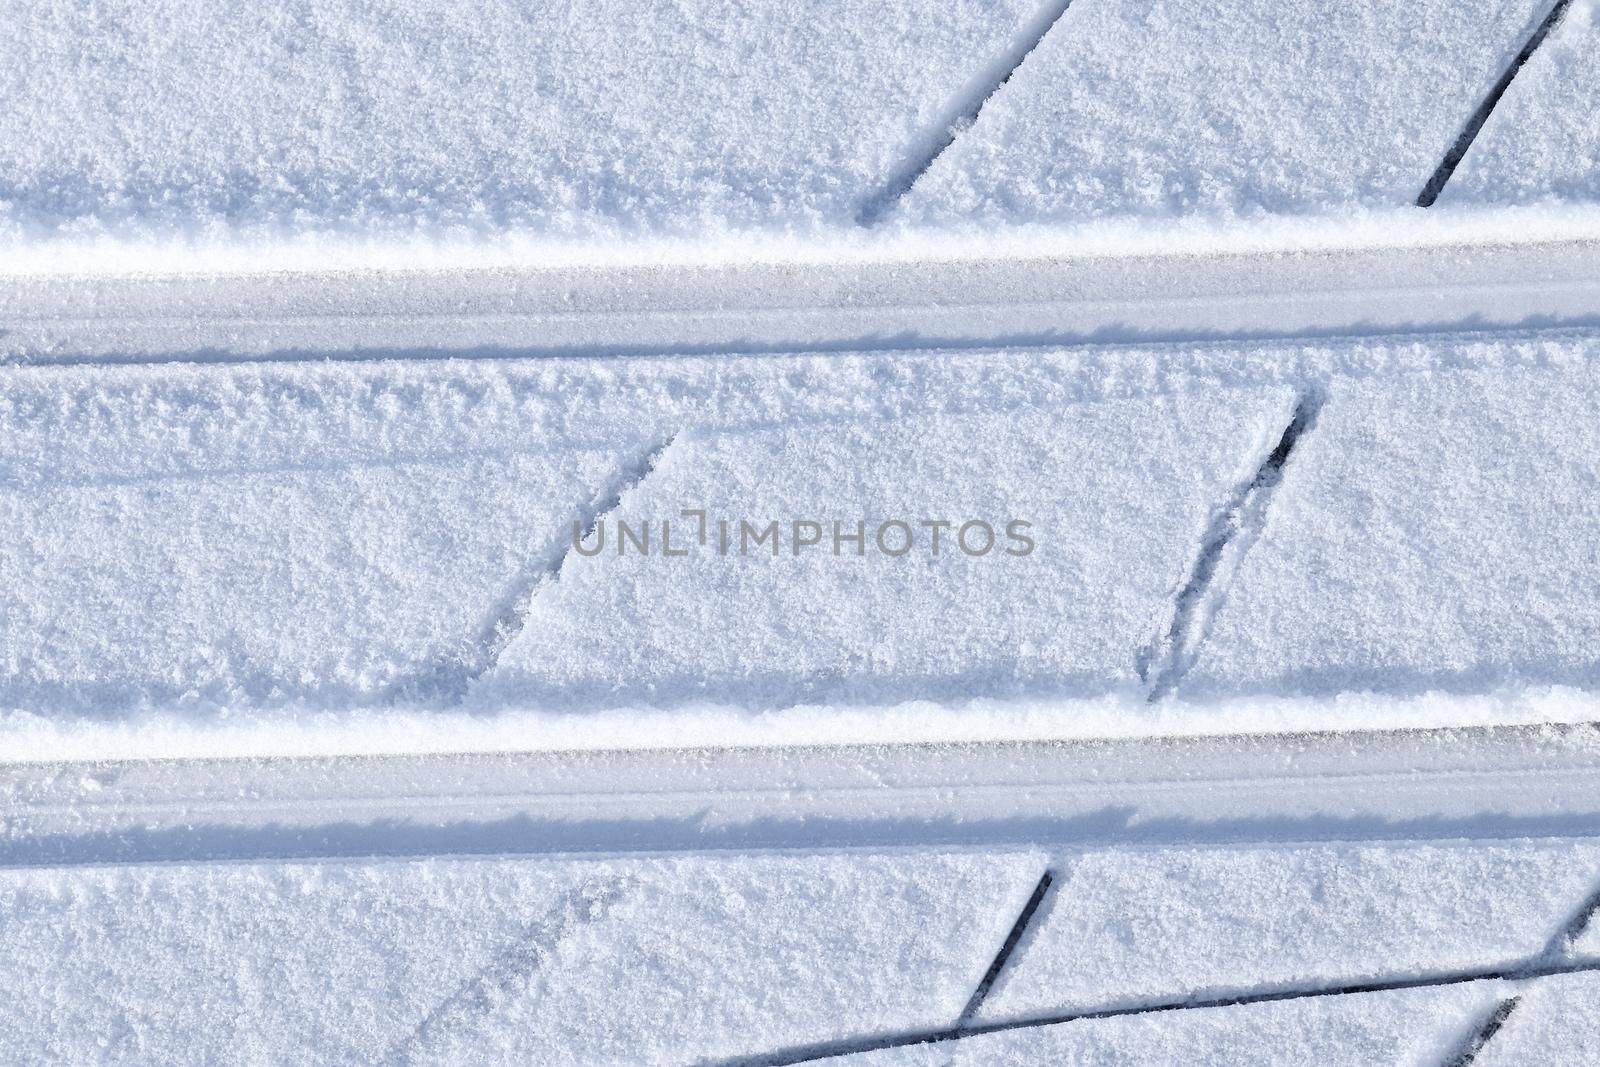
(1469, 133)
(448, 683)
(962, 113)
(1233, 529)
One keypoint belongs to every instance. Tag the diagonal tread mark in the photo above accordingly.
(1469, 133)
(962, 113)
(1235, 524)
(1013, 938)
(449, 682)
(1482, 1034)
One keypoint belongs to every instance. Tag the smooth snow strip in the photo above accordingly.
(1543, 140)
(1378, 786)
(1175, 107)
(168, 118)
(608, 961)
(1435, 533)
(1030, 299)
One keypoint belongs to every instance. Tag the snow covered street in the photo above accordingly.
(718, 532)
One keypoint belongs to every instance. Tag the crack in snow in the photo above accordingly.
(509, 972)
(1013, 938)
(962, 113)
(449, 682)
(1234, 527)
(1469, 132)
(1482, 1034)
(1558, 949)
(1532, 969)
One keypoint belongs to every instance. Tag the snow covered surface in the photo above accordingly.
(264, 547)
(1555, 1021)
(1408, 1028)
(166, 136)
(1542, 143)
(145, 119)
(1138, 927)
(813, 789)
(1109, 493)
(708, 958)
(1434, 532)
(450, 960)
(1184, 106)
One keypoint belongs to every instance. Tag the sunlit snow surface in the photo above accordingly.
(1318, 469)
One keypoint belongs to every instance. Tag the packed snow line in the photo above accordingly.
(844, 307)
(1400, 786)
(1013, 939)
(962, 112)
(1235, 525)
(1469, 132)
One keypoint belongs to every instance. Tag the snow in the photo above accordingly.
(1555, 1021)
(1543, 139)
(519, 960)
(1408, 1028)
(253, 543)
(329, 537)
(675, 959)
(327, 323)
(1123, 929)
(188, 117)
(1112, 494)
(1178, 107)
(158, 136)
(1433, 532)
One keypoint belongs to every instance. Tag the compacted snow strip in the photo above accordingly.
(1182, 107)
(148, 119)
(1543, 141)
